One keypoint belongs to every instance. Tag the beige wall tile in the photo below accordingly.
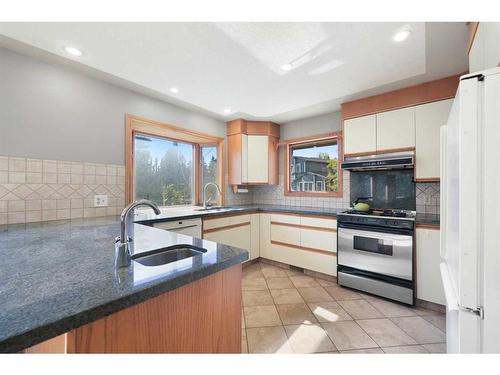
(63, 204)
(3, 206)
(63, 167)
(100, 179)
(63, 178)
(49, 166)
(33, 177)
(49, 204)
(76, 213)
(63, 214)
(76, 178)
(3, 218)
(49, 215)
(89, 168)
(89, 179)
(17, 164)
(4, 177)
(111, 170)
(16, 206)
(17, 177)
(49, 178)
(16, 217)
(100, 170)
(34, 205)
(89, 212)
(4, 163)
(76, 203)
(76, 168)
(33, 216)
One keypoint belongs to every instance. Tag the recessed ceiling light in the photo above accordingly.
(286, 67)
(73, 51)
(174, 90)
(227, 111)
(401, 35)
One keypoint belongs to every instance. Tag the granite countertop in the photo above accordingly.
(427, 219)
(56, 276)
(169, 214)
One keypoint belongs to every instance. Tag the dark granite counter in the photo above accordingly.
(56, 276)
(427, 219)
(148, 217)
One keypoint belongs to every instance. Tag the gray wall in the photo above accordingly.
(51, 112)
(327, 123)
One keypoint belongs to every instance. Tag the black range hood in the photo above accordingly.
(397, 160)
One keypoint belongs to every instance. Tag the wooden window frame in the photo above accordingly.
(135, 124)
(323, 137)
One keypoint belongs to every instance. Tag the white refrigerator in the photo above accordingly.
(470, 215)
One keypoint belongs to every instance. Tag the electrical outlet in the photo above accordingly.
(100, 200)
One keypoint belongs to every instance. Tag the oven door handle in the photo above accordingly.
(372, 228)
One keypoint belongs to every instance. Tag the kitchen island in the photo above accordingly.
(58, 282)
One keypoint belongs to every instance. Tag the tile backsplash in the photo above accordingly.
(40, 190)
(427, 196)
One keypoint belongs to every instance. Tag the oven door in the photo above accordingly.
(385, 251)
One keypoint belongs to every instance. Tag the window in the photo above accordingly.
(170, 165)
(319, 173)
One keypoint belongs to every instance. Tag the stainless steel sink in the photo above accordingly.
(169, 254)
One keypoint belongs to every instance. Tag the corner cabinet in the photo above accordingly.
(252, 152)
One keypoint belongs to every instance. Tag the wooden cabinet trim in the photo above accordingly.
(428, 226)
(444, 88)
(299, 247)
(385, 151)
(428, 179)
(300, 226)
(226, 227)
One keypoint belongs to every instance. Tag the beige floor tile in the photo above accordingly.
(342, 294)
(257, 298)
(316, 294)
(252, 271)
(385, 333)
(254, 283)
(286, 296)
(294, 273)
(261, 316)
(435, 348)
(272, 271)
(438, 321)
(420, 330)
(360, 309)
(408, 349)
(297, 313)
(363, 351)
(329, 311)
(391, 309)
(268, 340)
(309, 338)
(424, 312)
(303, 281)
(279, 283)
(348, 335)
(324, 282)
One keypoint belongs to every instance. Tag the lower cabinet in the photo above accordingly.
(239, 231)
(429, 284)
(303, 241)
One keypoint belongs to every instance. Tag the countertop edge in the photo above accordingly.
(47, 331)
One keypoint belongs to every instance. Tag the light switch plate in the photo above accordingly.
(100, 200)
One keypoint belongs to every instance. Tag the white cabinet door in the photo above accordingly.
(237, 237)
(360, 135)
(429, 285)
(265, 235)
(396, 129)
(258, 158)
(429, 118)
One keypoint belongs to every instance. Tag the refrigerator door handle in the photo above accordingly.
(449, 291)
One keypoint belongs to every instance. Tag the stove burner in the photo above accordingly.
(375, 212)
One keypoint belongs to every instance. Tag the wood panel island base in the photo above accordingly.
(201, 317)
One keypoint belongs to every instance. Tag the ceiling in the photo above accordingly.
(239, 65)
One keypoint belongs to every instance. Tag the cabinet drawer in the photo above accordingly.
(318, 222)
(285, 233)
(320, 240)
(216, 223)
(237, 237)
(287, 219)
(177, 224)
(323, 263)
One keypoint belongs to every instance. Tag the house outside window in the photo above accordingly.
(314, 166)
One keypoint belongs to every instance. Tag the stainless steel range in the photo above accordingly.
(375, 252)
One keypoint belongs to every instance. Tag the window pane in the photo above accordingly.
(314, 166)
(163, 170)
(209, 171)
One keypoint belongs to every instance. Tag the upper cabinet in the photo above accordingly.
(252, 153)
(429, 118)
(360, 135)
(396, 129)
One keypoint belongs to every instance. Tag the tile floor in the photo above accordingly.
(285, 311)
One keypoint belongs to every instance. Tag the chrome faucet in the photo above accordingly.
(122, 243)
(207, 201)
